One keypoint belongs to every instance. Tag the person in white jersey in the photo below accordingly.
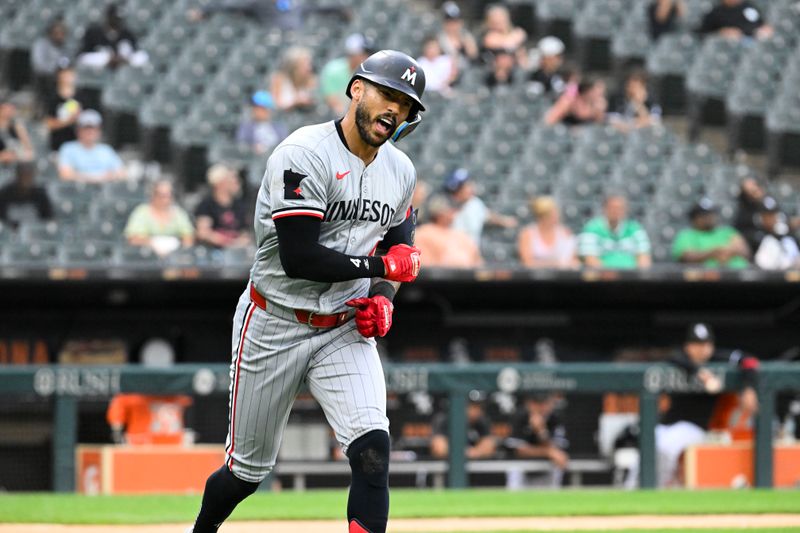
(334, 227)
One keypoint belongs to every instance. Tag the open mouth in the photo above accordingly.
(385, 126)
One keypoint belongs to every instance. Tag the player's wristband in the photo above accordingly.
(376, 267)
(383, 288)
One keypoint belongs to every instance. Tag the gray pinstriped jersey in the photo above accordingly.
(312, 173)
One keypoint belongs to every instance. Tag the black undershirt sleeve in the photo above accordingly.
(403, 233)
(302, 256)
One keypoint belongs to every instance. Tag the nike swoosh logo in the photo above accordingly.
(340, 175)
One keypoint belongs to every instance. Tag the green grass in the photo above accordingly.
(76, 509)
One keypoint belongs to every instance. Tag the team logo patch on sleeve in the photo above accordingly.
(291, 185)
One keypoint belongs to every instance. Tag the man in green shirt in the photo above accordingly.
(614, 241)
(337, 72)
(708, 244)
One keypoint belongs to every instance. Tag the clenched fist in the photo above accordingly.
(373, 315)
(402, 263)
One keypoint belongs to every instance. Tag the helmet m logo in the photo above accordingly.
(410, 75)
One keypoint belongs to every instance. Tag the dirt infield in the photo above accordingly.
(453, 524)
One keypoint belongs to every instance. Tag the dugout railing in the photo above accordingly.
(66, 385)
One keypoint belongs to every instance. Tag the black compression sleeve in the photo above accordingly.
(403, 233)
(384, 288)
(302, 256)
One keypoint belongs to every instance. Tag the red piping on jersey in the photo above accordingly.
(236, 385)
(298, 213)
(408, 213)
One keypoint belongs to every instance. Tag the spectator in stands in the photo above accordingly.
(548, 78)
(777, 248)
(537, 432)
(503, 70)
(62, 109)
(707, 243)
(294, 84)
(633, 108)
(440, 243)
(480, 442)
(455, 40)
(87, 159)
(613, 240)
(663, 16)
(582, 103)
(337, 72)
(15, 143)
(222, 215)
(501, 34)
(736, 19)
(260, 133)
(440, 69)
(747, 220)
(147, 419)
(110, 44)
(547, 243)
(160, 223)
(472, 213)
(418, 200)
(21, 200)
(48, 54)
(688, 415)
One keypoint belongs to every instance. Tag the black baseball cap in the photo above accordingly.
(700, 332)
(703, 206)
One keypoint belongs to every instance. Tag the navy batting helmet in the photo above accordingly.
(400, 72)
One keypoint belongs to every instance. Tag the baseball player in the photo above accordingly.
(334, 226)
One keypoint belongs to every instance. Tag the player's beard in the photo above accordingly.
(364, 125)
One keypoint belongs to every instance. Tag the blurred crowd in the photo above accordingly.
(452, 215)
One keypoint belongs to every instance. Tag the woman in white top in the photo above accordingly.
(440, 69)
(294, 84)
(547, 243)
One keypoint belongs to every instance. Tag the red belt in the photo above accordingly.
(304, 317)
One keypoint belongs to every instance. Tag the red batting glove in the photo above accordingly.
(402, 263)
(373, 315)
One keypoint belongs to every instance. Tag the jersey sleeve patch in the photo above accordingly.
(292, 189)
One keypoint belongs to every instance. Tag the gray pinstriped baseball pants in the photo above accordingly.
(273, 356)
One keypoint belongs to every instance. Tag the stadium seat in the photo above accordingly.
(39, 253)
(554, 17)
(87, 253)
(708, 81)
(630, 45)
(593, 28)
(134, 256)
(51, 231)
(99, 232)
(667, 62)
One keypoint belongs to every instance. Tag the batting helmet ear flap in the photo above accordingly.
(407, 126)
